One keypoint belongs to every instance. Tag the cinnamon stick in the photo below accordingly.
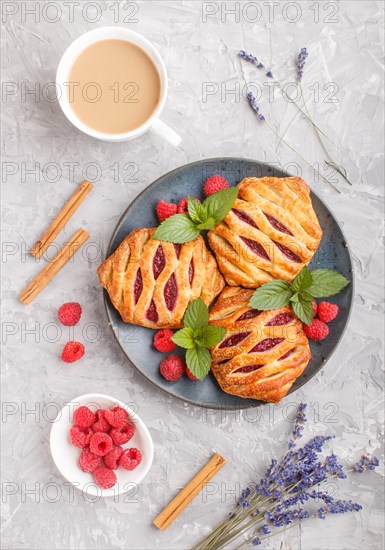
(53, 266)
(61, 219)
(188, 493)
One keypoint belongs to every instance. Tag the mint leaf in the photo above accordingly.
(304, 311)
(303, 280)
(184, 338)
(208, 224)
(198, 337)
(196, 210)
(177, 229)
(212, 335)
(197, 315)
(306, 296)
(220, 203)
(198, 360)
(326, 282)
(272, 295)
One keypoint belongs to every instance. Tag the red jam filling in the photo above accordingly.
(287, 354)
(245, 217)
(170, 292)
(248, 368)
(288, 253)
(234, 339)
(177, 249)
(257, 248)
(277, 224)
(249, 314)
(266, 344)
(158, 262)
(152, 314)
(138, 286)
(281, 319)
(191, 272)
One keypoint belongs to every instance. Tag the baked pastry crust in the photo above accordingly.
(271, 232)
(152, 282)
(282, 353)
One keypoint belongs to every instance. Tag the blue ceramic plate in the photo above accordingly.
(136, 342)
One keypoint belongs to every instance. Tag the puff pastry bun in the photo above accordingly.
(271, 232)
(151, 283)
(262, 353)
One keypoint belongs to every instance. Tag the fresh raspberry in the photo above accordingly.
(88, 462)
(84, 417)
(100, 444)
(172, 368)
(130, 459)
(190, 375)
(80, 437)
(317, 330)
(73, 351)
(111, 460)
(182, 206)
(327, 311)
(314, 305)
(162, 340)
(215, 183)
(101, 424)
(165, 210)
(69, 314)
(104, 477)
(116, 417)
(121, 435)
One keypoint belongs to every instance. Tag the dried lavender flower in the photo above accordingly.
(300, 422)
(301, 60)
(366, 462)
(254, 105)
(251, 59)
(264, 529)
(333, 467)
(278, 500)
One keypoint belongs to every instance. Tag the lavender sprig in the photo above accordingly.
(300, 64)
(301, 60)
(251, 59)
(254, 105)
(299, 425)
(279, 499)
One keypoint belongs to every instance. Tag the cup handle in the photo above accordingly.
(161, 129)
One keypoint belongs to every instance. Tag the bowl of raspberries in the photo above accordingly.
(101, 446)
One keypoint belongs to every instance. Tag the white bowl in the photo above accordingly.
(66, 456)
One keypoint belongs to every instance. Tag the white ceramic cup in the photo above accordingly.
(118, 33)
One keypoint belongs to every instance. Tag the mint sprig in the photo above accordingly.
(183, 228)
(196, 336)
(300, 293)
